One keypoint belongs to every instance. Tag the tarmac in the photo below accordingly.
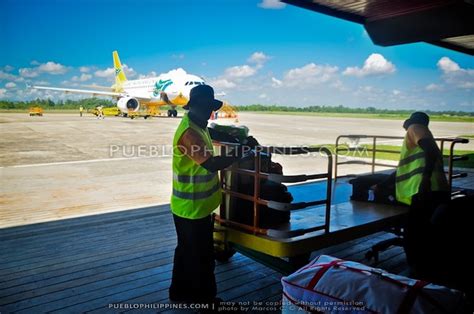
(63, 166)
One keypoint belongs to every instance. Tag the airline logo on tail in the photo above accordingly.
(119, 75)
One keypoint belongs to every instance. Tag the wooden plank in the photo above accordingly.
(80, 222)
(46, 260)
(79, 269)
(80, 246)
(84, 298)
(54, 236)
(88, 263)
(65, 260)
(83, 285)
(235, 271)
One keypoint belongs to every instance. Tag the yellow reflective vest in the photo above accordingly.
(410, 174)
(196, 191)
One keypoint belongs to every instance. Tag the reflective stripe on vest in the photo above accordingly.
(194, 179)
(196, 195)
(196, 191)
(410, 174)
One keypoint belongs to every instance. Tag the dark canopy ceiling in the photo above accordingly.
(448, 24)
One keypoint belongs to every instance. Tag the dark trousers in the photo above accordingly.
(422, 238)
(193, 269)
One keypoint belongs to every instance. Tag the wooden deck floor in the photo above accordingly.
(85, 264)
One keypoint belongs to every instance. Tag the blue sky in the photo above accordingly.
(254, 51)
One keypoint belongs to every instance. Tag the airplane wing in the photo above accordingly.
(81, 91)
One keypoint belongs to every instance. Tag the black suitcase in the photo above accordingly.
(241, 211)
(362, 188)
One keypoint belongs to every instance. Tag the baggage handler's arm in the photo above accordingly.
(192, 145)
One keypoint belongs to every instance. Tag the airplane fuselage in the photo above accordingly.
(176, 87)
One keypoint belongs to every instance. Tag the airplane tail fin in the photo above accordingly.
(119, 74)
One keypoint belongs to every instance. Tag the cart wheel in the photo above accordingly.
(299, 261)
(372, 254)
(223, 255)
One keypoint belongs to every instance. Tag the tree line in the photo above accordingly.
(87, 103)
(343, 109)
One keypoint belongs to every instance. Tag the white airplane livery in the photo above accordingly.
(170, 88)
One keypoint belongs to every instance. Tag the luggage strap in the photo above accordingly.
(321, 273)
(410, 297)
(406, 304)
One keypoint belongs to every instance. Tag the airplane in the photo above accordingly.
(170, 88)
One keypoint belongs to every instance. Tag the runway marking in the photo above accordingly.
(81, 161)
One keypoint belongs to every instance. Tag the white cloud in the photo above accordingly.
(455, 75)
(396, 92)
(375, 64)
(8, 68)
(109, 73)
(34, 62)
(7, 76)
(271, 4)
(84, 69)
(447, 65)
(258, 57)
(309, 74)
(69, 83)
(239, 71)
(262, 96)
(177, 72)
(276, 82)
(28, 72)
(10, 85)
(52, 68)
(222, 83)
(433, 87)
(84, 77)
(49, 67)
(150, 74)
(3, 92)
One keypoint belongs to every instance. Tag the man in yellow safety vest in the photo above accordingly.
(420, 182)
(196, 194)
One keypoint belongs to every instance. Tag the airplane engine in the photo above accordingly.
(128, 104)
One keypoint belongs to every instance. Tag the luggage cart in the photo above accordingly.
(374, 141)
(320, 222)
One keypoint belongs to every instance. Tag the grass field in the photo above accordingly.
(369, 115)
(365, 151)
